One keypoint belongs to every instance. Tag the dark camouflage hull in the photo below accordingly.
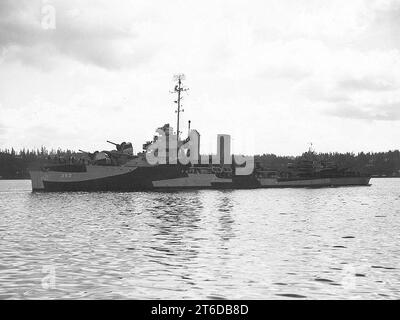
(167, 177)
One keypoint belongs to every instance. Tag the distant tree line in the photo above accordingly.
(14, 165)
(374, 163)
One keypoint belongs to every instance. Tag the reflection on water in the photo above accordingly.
(225, 207)
(223, 244)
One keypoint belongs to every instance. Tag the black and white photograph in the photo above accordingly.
(212, 151)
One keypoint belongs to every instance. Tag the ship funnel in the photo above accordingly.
(224, 149)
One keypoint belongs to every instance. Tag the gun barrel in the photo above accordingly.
(115, 144)
(82, 151)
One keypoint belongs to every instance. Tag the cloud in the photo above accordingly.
(366, 84)
(347, 88)
(43, 132)
(274, 62)
(89, 36)
(3, 133)
(355, 84)
(384, 112)
(318, 90)
(2, 128)
(384, 26)
(285, 72)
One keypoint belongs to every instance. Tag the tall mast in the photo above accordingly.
(179, 89)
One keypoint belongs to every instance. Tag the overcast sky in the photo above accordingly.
(276, 75)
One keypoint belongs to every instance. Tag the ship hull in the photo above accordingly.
(315, 182)
(109, 178)
(100, 178)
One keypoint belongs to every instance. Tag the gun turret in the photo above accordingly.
(89, 154)
(117, 146)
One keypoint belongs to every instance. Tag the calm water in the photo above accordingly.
(257, 244)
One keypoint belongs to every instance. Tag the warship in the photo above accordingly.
(179, 165)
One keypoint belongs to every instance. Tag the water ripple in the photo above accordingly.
(257, 244)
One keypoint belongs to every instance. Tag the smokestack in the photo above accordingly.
(224, 149)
